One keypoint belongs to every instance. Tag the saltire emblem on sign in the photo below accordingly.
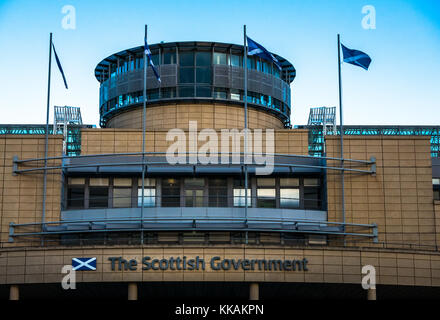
(84, 264)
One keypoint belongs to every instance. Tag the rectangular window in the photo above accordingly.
(186, 59)
(235, 95)
(186, 91)
(121, 197)
(312, 193)
(98, 197)
(239, 194)
(75, 197)
(236, 61)
(203, 75)
(239, 198)
(220, 93)
(220, 58)
(218, 193)
(169, 57)
(186, 75)
(194, 188)
(266, 193)
(289, 198)
(203, 91)
(436, 188)
(203, 59)
(170, 193)
(168, 93)
(149, 192)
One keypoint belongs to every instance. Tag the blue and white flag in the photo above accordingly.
(356, 57)
(148, 54)
(257, 49)
(59, 65)
(84, 264)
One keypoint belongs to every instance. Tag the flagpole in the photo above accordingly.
(144, 114)
(47, 134)
(341, 126)
(245, 127)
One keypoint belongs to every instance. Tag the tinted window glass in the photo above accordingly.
(186, 91)
(186, 75)
(169, 58)
(203, 91)
(98, 197)
(236, 61)
(203, 75)
(203, 59)
(220, 58)
(186, 58)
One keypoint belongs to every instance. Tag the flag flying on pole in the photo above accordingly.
(148, 54)
(356, 57)
(59, 65)
(258, 50)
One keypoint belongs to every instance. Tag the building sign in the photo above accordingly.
(215, 263)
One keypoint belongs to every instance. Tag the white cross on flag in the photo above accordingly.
(84, 264)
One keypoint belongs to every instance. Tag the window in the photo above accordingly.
(251, 64)
(149, 192)
(98, 193)
(266, 193)
(203, 91)
(218, 193)
(220, 58)
(153, 94)
(312, 194)
(186, 75)
(186, 91)
(203, 75)
(203, 59)
(236, 61)
(155, 58)
(220, 93)
(239, 194)
(170, 193)
(186, 59)
(75, 193)
(122, 192)
(235, 95)
(436, 187)
(194, 188)
(168, 93)
(289, 193)
(169, 57)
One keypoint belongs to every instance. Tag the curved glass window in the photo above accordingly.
(236, 61)
(186, 91)
(203, 75)
(220, 58)
(203, 59)
(186, 59)
(203, 91)
(169, 57)
(186, 75)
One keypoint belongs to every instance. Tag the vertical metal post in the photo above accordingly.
(245, 129)
(47, 137)
(144, 115)
(341, 125)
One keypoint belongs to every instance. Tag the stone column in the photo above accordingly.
(253, 291)
(132, 291)
(371, 294)
(14, 293)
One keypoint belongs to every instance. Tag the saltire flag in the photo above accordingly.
(148, 53)
(84, 264)
(257, 49)
(356, 57)
(59, 65)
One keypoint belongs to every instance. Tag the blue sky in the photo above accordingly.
(401, 87)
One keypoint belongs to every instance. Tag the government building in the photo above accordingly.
(210, 201)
